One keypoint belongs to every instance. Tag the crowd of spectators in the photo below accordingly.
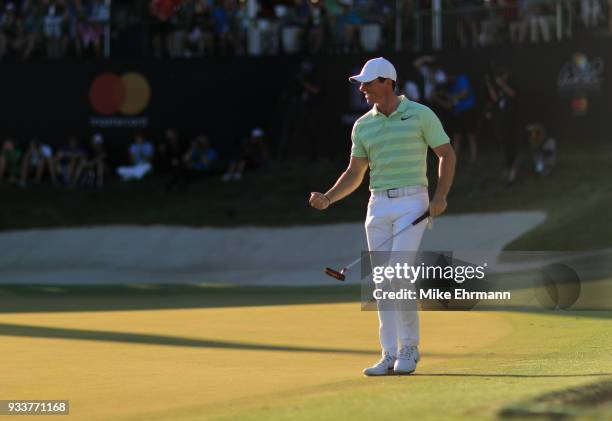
(190, 28)
(495, 22)
(87, 164)
(194, 28)
(71, 164)
(52, 28)
(487, 108)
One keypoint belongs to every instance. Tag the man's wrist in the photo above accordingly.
(440, 196)
(328, 199)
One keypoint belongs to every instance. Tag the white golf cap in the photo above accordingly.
(377, 67)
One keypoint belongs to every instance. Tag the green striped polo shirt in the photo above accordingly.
(396, 146)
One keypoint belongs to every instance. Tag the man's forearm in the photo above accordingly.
(347, 183)
(446, 173)
(491, 90)
(507, 89)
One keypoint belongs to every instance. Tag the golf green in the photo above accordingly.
(291, 361)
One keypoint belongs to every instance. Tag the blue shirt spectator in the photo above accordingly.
(222, 19)
(462, 90)
(350, 17)
(200, 157)
(141, 151)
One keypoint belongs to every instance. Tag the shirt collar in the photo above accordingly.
(401, 107)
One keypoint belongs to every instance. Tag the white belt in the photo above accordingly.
(400, 192)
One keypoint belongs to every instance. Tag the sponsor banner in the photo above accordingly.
(564, 86)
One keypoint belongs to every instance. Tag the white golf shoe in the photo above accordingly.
(382, 367)
(407, 360)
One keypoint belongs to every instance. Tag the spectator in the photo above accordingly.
(294, 17)
(55, 30)
(141, 157)
(67, 159)
(298, 128)
(492, 23)
(9, 161)
(161, 12)
(467, 23)
(462, 95)
(12, 39)
(37, 159)
(201, 35)
(168, 153)
(242, 23)
(590, 13)
(442, 104)
(100, 11)
(90, 21)
(254, 155)
(502, 94)
(333, 11)
(508, 14)
(407, 34)
(32, 26)
(181, 22)
(535, 19)
(201, 158)
(518, 28)
(411, 91)
(92, 165)
(223, 16)
(347, 30)
(382, 12)
(433, 74)
(316, 33)
(543, 148)
(169, 157)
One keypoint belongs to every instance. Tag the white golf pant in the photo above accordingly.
(385, 218)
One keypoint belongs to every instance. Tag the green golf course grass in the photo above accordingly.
(196, 352)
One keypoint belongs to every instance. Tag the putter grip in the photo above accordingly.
(420, 218)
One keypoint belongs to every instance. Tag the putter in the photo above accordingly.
(341, 276)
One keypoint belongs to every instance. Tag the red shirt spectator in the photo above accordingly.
(164, 9)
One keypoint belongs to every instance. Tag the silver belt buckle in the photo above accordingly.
(390, 195)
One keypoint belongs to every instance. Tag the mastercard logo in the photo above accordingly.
(127, 94)
(579, 105)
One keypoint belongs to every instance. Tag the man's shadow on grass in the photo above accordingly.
(13, 330)
(148, 339)
(28, 331)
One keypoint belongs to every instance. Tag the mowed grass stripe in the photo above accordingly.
(476, 362)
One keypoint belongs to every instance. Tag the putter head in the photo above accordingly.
(335, 274)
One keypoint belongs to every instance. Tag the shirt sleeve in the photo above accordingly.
(46, 151)
(357, 148)
(212, 154)
(433, 132)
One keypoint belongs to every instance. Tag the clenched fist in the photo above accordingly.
(437, 206)
(319, 201)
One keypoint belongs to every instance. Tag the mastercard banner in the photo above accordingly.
(119, 100)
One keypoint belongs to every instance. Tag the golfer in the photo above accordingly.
(392, 140)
